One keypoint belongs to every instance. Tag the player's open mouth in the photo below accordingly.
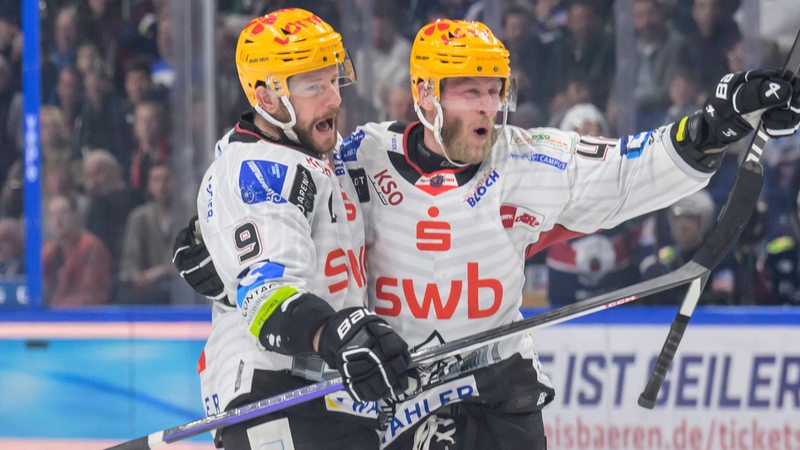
(481, 132)
(324, 126)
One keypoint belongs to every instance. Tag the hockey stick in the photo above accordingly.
(736, 213)
(684, 274)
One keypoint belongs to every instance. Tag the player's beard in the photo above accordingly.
(305, 133)
(459, 144)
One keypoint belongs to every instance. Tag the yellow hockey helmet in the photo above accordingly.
(458, 48)
(286, 42)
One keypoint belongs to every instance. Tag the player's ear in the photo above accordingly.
(267, 99)
(425, 95)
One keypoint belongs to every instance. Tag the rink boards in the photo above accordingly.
(93, 378)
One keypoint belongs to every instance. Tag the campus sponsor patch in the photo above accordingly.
(539, 158)
(262, 181)
(303, 191)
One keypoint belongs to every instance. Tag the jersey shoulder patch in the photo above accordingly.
(262, 181)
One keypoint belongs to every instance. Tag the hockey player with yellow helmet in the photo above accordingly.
(455, 200)
(286, 235)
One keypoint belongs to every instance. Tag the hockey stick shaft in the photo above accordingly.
(729, 227)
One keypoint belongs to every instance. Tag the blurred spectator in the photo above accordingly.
(585, 119)
(388, 59)
(109, 201)
(551, 17)
(12, 249)
(781, 176)
(101, 122)
(583, 48)
(683, 96)
(76, 266)
(11, 201)
(778, 21)
(54, 140)
(737, 279)
(102, 20)
(526, 51)
(400, 105)
(714, 33)
(576, 91)
(231, 101)
(7, 95)
(59, 178)
(68, 96)
(88, 58)
(66, 37)
(782, 263)
(10, 37)
(150, 135)
(770, 54)
(598, 263)
(659, 53)
(138, 86)
(162, 70)
(327, 10)
(146, 269)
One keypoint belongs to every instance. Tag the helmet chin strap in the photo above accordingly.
(436, 128)
(285, 126)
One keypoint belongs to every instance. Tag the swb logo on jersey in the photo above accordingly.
(513, 216)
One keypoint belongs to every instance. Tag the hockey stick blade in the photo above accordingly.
(735, 214)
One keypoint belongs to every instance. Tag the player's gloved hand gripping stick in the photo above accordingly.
(735, 214)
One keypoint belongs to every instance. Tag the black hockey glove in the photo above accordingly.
(784, 121)
(726, 116)
(370, 356)
(194, 264)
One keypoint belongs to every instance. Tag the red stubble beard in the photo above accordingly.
(463, 144)
(307, 132)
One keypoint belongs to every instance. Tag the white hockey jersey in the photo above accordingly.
(446, 250)
(276, 220)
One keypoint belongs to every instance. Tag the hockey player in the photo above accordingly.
(287, 239)
(453, 201)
